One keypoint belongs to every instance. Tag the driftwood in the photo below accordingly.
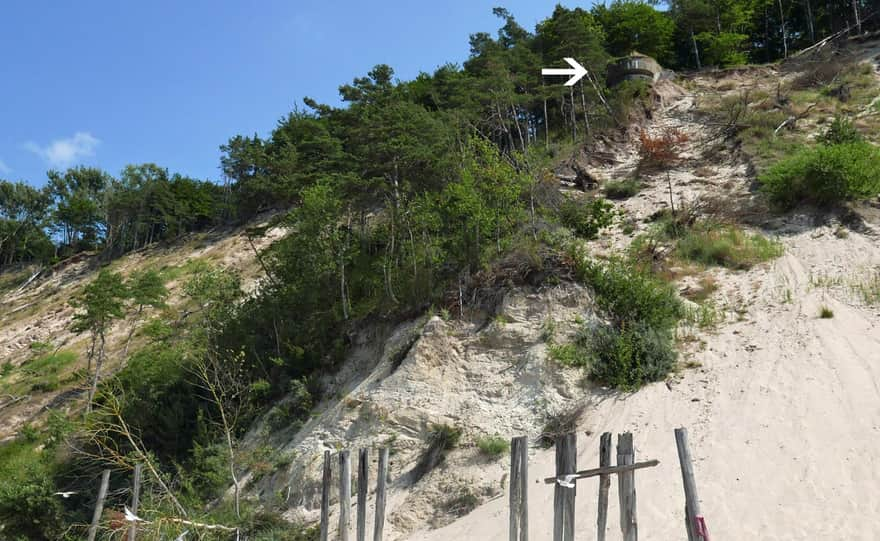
(790, 121)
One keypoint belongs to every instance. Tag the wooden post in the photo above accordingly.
(627, 488)
(379, 523)
(135, 500)
(604, 485)
(513, 526)
(519, 489)
(325, 497)
(344, 493)
(363, 482)
(692, 514)
(563, 497)
(99, 505)
(524, 489)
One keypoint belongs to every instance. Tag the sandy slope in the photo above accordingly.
(784, 413)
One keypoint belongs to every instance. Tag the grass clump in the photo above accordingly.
(824, 175)
(726, 246)
(559, 423)
(826, 313)
(50, 363)
(493, 446)
(622, 189)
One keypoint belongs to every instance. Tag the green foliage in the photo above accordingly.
(587, 218)
(630, 355)
(101, 302)
(147, 288)
(49, 362)
(637, 345)
(726, 246)
(841, 131)
(722, 48)
(628, 294)
(826, 313)
(636, 26)
(28, 508)
(444, 437)
(824, 175)
(493, 446)
(622, 189)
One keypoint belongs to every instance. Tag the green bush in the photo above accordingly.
(726, 246)
(841, 131)
(493, 446)
(825, 175)
(630, 355)
(622, 189)
(637, 344)
(627, 293)
(28, 508)
(586, 218)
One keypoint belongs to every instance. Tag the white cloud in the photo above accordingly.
(66, 152)
(4, 169)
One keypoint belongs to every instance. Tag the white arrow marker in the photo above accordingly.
(576, 71)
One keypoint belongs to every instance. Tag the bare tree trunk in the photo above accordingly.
(810, 22)
(342, 288)
(518, 128)
(784, 32)
(696, 49)
(98, 363)
(584, 106)
(132, 329)
(855, 5)
(546, 123)
(573, 115)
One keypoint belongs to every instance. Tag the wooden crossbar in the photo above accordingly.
(609, 470)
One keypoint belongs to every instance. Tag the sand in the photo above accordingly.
(783, 411)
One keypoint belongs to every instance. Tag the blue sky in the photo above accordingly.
(108, 83)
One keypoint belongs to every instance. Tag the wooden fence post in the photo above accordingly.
(379, 523)
(99, 505)
(563, 496)
(696, 528)
(325, 497)
(604, 485)
(627, 488)
(363, 482)
(524, 489)
(519, 489)
(344, 493)
(135, 500)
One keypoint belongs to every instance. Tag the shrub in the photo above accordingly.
(726, 246)
(445, 437)
(622, 189)
(661, 150)
(826, 313)
(841, 131)
(626, 293)
(630, 355)
(637, 344)
(493, 446)
(825, 175)
(586, 218)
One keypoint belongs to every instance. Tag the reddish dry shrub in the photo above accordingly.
(663, 149)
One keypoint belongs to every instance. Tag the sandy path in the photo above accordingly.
(784, 414)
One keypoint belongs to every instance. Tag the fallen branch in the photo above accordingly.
(792, 119)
